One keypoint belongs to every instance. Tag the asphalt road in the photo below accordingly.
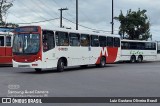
(115, 80)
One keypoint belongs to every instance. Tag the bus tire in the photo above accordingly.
(60, 65)
(140, 59)
(133, 59)
(102, 62)
(38, 70)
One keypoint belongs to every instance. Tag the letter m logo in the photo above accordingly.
(104, 51)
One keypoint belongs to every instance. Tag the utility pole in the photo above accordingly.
(61, 15)
(76, 14)
(112, 17)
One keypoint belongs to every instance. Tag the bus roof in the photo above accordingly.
(136, 40)
(84, 32)
(76, 31)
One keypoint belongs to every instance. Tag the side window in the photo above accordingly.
(62, 39)
(94, 41)
(153, 46)
(48, 40)
(141, 46)
(1, 40)
(125, 45)
(85, 40)
(8, 40)
(148, 46)
(102, 41)
(74, 39)
(110, 41)
(133, 45)
(116, 42)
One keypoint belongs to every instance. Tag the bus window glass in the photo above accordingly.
(74, 39)
(148, 46)
(94, 41)
(1, 40)
(141, 46)
(26, 44)
(85, 40)
(110, 41)
(133, 45)
(8, 41)
(62, 39)
(125, 45)
(102, 41)
(48, 40)
(116, 42)
(153, 46)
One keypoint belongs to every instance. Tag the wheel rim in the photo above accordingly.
(133, 60)
(103, 62)
(62, 65)
(139, 59)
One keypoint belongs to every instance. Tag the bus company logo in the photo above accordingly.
(104, 51)
(6, 100)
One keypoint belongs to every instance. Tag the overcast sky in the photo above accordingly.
(94, 14)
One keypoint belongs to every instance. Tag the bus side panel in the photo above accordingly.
(8, 51)
(5, 59)
(78, 55)
(49, 60)
(2, 51)
(96, 54)
(118, 55)
(112, 54)
(147, 54)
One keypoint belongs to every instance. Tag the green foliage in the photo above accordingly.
(135, 24)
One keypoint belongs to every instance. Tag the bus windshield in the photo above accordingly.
(26, 44)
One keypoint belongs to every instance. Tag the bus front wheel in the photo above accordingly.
(60, 65)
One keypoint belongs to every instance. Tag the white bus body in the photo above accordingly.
(137, 51)
(53, 52)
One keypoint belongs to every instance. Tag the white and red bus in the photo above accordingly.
(137, 51)
(34, 47)
(6, 38)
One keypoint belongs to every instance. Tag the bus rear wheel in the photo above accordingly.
(102, 62)
(133, 59)
(38, 70)
(140, 59)
(60, 65)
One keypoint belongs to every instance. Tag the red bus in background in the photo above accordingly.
(6, 38)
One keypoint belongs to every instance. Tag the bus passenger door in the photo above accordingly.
(85, 49)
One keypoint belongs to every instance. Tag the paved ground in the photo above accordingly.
(115, 80)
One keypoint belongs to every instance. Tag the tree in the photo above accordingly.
(5, 5)
(135, 24)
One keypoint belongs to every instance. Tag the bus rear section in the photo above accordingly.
(6, 48)
(138, 51)
(62, 48)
